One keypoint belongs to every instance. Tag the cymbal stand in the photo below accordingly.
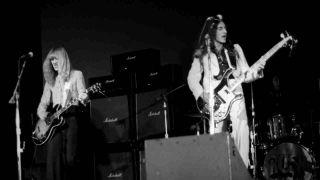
(253, 135)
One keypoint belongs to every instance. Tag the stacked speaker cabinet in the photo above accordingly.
(111, 118)
(150, 114)
(114, 165)
(111, 165)
(154, 100)
(111, 130)
(109, 111)
(130, 109)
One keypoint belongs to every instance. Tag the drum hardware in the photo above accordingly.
(281, 155)
(289, 160)
(284, 127)
(261, 152)
(296, 132)
(262, 146)
(277, 128)
(253, 134)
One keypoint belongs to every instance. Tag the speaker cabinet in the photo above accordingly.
(110, 117)
(119, 165)
(150, 114)
(194, 157)
(114, 165)
(135, 61)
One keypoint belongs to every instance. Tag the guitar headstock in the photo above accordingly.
(288, 40)
(96, 88)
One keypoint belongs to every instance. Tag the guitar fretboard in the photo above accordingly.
(263, 58)
(273, 50)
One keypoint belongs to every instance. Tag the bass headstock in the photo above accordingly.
(289, 40)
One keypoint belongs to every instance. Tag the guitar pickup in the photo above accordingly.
(220, 98)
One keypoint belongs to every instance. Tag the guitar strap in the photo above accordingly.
(224, 63)
(228, 59)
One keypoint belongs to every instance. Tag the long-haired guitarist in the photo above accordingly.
(62, 85)
(216, 64)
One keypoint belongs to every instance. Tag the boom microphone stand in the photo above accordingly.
(165, 101)
(15, 100)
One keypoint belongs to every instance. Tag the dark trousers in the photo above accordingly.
(62, 151)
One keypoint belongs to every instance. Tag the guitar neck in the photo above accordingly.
(272, 51)
(263, 58)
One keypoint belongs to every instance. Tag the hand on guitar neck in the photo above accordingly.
(83, 98)
(258, 68)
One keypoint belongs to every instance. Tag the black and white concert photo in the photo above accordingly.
(161, 90)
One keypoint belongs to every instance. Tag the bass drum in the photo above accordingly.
(288, 161)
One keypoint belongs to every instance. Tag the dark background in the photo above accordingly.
(92, 31)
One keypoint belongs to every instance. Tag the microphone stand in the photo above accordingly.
(165, 105)
(253, 135)
(15, 100)
(165, 116)
(212, 123)
(204, 27)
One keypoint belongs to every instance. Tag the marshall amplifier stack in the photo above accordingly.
(130, 109)
(151, 92)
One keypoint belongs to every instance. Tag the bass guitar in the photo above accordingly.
(224, 95)
(54, 120)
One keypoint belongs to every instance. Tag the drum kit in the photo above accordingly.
(281, 154)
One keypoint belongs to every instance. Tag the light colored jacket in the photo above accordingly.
(61, 92)
(195, 72)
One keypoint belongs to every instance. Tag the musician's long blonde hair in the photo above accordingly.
(65, 66)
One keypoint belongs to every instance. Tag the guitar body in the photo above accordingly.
(223, 99)
(45, 128)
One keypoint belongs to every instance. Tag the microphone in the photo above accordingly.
(29, 55)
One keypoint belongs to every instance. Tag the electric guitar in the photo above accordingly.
(55, 120)
(224, 95)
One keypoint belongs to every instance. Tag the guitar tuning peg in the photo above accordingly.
(294, 40)
(282, 35)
